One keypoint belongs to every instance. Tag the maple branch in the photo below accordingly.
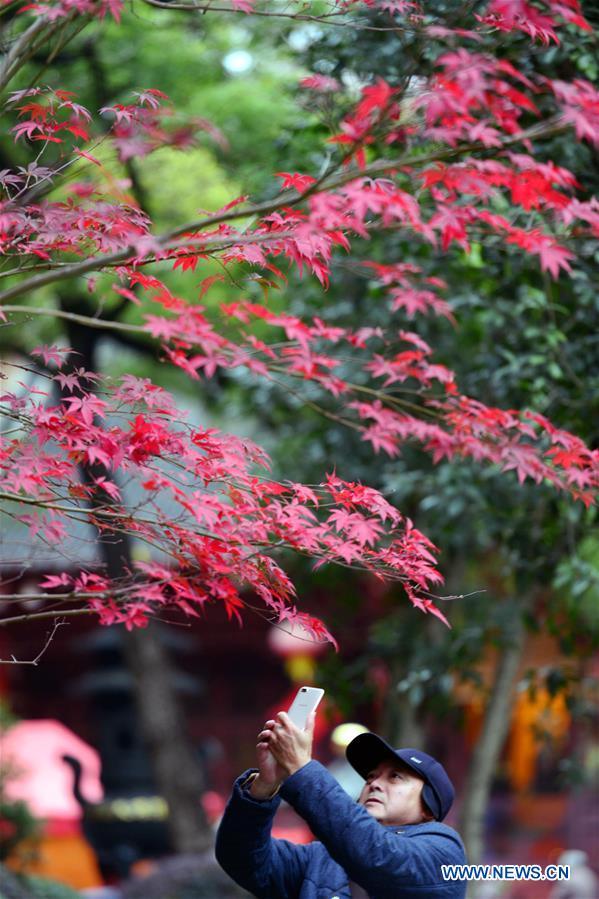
(315, 406)
(291, 198)
(394, 400)
(71, 596)
(357, 388)
(324, 19)
(87, 320)
(50, 636)
(207, 7)
(112, 325)
(31, 616)
(96, 263)
(64, 39)
(34, 38)
(24, 47)
(116, 520)
(44, 597)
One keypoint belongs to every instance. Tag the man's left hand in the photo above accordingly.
(291, 747)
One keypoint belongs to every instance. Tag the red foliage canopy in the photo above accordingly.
(201, 500)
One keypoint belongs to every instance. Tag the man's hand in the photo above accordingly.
(291, 748)
(270, 773)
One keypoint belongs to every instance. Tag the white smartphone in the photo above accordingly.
(306, 701)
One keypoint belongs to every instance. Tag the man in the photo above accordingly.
(388, 845)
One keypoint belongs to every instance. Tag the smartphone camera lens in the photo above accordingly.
(303, 689)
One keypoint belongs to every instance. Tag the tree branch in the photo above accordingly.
(87, 320)
(324, 19)
(50, 636)
(290, 198)
(31, 616)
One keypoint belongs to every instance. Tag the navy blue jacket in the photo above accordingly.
(389, 862)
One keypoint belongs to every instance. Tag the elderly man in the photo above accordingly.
(388, 845)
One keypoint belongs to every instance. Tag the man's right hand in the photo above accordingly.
(270, 773)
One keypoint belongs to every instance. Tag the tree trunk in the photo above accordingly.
(490, 743)
(410, 731)
(177, 770)
(401, 724)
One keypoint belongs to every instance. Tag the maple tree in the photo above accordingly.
(447, 160)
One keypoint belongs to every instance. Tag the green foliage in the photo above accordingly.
(17, 825)
(421, 672)
(7, 716)
(44, 888)
(14, 886)
(577, 596)
(131, 56)
(520, 341)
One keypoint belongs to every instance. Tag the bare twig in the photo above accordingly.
(49, 637)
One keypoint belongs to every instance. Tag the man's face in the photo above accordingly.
(392, 794)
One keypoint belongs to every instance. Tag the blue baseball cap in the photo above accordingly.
(366, 751)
